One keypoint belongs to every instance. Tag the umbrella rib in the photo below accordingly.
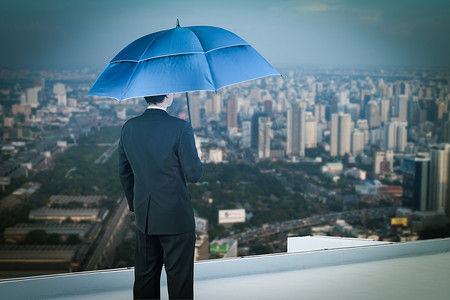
(209, 67)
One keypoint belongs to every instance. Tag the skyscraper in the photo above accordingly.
(264, 137)
(439, 194)
(232, 108)
(363, 126)
(401, 108)
(340, 134)
(217, 104)
(246, 134)
(385, 109)
(319, 113)
(357, 142)
(310, 131)
(268, 107)
(296, 139)
(395, 136)
(59, 90)
(194, 104)
(372, 113)
(255, 129)
(32, 96)
(383, 162)
(389, 136)
(445, 128)
(416, 172)
(402, 135)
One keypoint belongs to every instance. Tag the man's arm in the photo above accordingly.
(126, 176)
(187, 152)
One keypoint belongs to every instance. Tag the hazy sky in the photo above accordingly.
(88, 33)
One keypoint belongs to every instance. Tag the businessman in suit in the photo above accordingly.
(157, 156)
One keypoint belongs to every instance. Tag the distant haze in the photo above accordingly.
(84, 33)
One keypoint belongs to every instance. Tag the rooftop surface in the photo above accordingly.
(411, 270)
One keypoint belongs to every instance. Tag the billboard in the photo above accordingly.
(61, 143)
(227, 216)
(218, 249)
(399, 222)
(5, 180)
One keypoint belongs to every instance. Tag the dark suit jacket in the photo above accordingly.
(157, 155)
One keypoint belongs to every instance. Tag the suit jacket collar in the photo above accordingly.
(155, 112)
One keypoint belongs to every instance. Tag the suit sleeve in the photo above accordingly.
(126, 176)
(187, 153)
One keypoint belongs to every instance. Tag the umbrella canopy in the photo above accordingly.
(181, 59)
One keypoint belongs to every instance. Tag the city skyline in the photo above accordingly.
(334, 151)
(52, 34)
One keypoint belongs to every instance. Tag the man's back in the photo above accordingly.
(157, 155)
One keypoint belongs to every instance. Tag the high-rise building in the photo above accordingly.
(353, 110)
(268, 107)
(372, 112)
(217, 104)
(343, 97)
(416, 172)
(441, 108)
(264, 137)
(320, 113)
(296, 139)
(366, 95)
(213, 107)
(383, 162)
(402, 137)
(445, 128)
(439, 194)
(232, 108)
(195, 105)
(255, 130)
(363, 126)
(390, 135)
(59, 90)
(310, 131)
(385, 109)
(401, 108)
(32, 96)
(395, 136)
(246, 134)
(340, 134)
(357, 142)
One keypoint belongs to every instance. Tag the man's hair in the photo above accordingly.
(155, 99)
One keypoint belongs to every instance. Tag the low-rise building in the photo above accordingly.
(16, 260)
(75, 215)
(20, 231)
(85, 200)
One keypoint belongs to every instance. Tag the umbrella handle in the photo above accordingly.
(189, 110)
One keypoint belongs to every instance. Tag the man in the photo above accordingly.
(157, 156)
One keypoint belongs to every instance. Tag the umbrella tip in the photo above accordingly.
(178, 23)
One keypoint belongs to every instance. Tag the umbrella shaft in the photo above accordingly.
(189, 110)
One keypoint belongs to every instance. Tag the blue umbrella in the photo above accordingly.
(181, 59)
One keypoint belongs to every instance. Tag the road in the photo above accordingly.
(108, 236)
(275, 228)
(107, 154)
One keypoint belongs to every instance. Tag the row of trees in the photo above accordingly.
(238, 185)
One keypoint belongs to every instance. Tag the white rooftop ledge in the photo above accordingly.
(412, 270)
(317, 242)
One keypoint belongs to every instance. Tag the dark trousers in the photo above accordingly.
(176, 252)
